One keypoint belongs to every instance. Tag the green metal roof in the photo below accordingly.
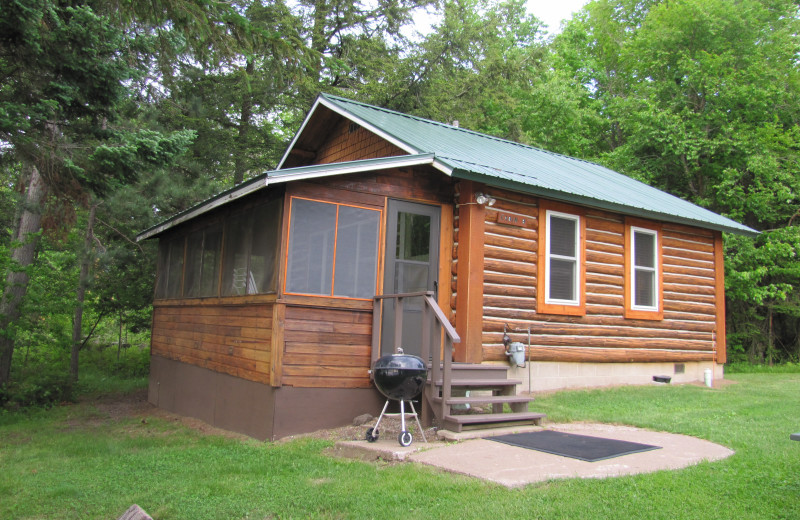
(497, 162)
(465, 154)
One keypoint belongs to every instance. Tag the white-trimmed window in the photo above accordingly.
(644, 269)
(643, 293)
(563, 258)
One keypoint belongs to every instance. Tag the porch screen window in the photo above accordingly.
(333, 249)
(203, 255)
(562, 259)
(251, 248)
(170, 268)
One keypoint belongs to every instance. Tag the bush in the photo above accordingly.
(751, 368)
(43, 386)
(133, 362)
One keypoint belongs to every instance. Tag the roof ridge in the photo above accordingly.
(456, 128)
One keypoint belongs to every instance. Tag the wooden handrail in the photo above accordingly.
(402, 295)
(437, 311)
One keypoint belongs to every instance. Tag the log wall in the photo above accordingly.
(231, 338)
(686, 332)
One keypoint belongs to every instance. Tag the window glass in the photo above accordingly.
(311, 247)
(562, 261)
(356, 252)
(644, 288)
(562, 236)
(644, 249)
(562, 279)
(644, 269)
(413, 237)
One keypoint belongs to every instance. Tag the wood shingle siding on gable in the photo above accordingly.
(233, 339)
(686, 332)
(350, 142)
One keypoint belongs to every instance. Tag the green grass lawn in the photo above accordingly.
(77, 462)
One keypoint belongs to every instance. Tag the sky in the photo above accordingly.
(551, 12)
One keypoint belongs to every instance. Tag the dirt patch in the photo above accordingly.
(115, 408)
(118, 407)
(389, 429)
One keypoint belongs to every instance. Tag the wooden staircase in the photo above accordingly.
(491, 397)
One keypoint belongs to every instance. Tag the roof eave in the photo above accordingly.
(292, 175)
(216, 201)
(600, 204)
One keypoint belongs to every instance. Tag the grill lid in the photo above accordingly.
(399, 376)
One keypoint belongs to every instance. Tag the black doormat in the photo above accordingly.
(583, 447)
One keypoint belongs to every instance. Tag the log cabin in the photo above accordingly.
(380, 230)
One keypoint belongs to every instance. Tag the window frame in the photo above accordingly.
(631, 310)
(378, 252)
(544, 303)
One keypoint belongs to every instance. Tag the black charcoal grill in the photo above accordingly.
(399, 377)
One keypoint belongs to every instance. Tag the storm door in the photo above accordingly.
(412, 265)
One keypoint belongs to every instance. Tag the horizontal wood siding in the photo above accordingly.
(327, 348)
(233, 339)
(603, 334)
(350, 142)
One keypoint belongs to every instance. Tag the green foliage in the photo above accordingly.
(751, 368)
(43, 385)
(132, 362)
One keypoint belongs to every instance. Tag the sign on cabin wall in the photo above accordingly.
(514, 220)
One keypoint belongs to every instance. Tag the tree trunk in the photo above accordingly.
(83, 280)
(25, 240)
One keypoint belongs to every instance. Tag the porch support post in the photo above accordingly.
(469, 274)
(277, 346)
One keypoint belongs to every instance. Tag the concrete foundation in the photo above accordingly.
(547, 376)
(254, 409)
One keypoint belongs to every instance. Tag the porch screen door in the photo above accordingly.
(412, 265)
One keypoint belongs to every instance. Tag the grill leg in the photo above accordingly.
(421, 431)
(375, 428)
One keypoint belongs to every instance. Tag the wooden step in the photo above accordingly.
(474, 366)
(487, 399)
(479, 383)
(459, 423)
(476, 371)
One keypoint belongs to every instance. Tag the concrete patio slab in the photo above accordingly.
(513, 466)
